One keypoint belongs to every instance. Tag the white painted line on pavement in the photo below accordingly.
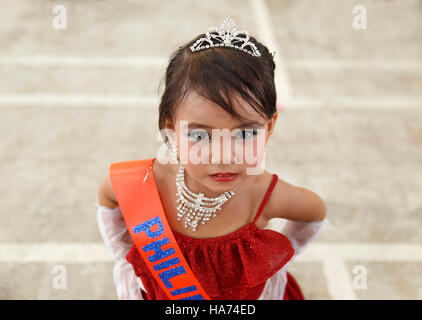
(375, 252)
(151, 61)
(85, 61)
(357, 103)
(315, 252)
(384, 65)
(151, 101)
(266, 35)
(339, 282)
(85, 100)
(333, 257)
(54, 253)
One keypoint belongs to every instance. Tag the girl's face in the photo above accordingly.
(210, 140)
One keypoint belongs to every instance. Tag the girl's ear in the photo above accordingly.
(271, 125)
(170, 130)
(169, 125)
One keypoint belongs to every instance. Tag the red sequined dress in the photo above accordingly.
(248, 264)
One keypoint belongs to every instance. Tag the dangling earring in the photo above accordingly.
(173, 151)
(264, 158)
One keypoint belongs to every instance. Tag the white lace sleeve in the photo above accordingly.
(299, 233)
(117, 239)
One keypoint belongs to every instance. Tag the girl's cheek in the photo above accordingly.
(246, 153)
(251, 153)
(255, 152)
(196, 153)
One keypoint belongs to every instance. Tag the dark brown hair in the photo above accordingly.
(216, 73)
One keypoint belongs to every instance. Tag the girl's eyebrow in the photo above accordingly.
(242, 125)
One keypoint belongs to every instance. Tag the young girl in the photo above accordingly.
(222, 80)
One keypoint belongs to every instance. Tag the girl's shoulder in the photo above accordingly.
(106, 195)
(295, 203)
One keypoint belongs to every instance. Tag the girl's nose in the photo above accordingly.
(226, 151)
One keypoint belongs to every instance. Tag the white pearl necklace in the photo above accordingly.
(196, 206)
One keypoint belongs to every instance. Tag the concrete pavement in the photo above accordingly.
(72, 101)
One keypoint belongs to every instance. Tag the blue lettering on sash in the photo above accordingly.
(159, 253)
(146, 226)
(195, 297)
(166, 264)
(183, 290)
(168, 274)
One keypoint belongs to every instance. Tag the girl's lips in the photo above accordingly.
(224, 177)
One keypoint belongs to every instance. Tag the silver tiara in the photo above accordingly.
(226, 38)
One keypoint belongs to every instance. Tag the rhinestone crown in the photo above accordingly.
(226, 38)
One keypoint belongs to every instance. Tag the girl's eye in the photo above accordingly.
(198, 135)
(247, 134)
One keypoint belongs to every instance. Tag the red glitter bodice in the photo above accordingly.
(230, 267)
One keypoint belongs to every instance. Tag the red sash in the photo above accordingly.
(139, 201)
